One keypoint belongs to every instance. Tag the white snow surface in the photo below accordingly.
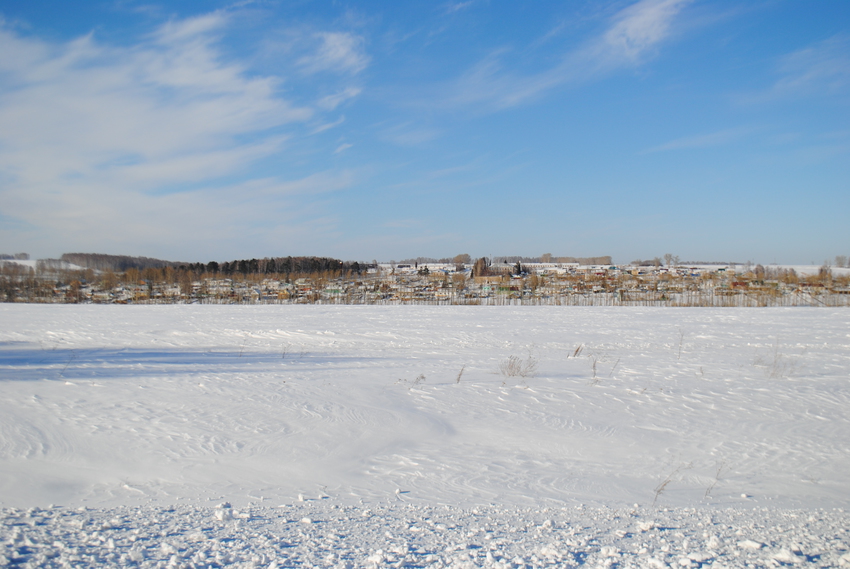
(347, 436)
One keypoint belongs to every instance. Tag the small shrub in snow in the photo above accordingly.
(517, 367)
(415, 382)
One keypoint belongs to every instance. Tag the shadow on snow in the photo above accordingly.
(24, 361)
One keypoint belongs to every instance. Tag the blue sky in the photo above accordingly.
(210, 130)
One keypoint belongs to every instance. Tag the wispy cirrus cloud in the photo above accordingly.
(409, 134)
(191, 29)
(331, 102)
(453, 7)
(337, 51)
(822, 68)
(327, 126)
(402, 223)
(707, 140)
(633, 36)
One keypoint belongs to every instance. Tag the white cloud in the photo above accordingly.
(343, 147)
(239, 217)
(640, 27)
(103, 144)
(337, 51)
(91, 105)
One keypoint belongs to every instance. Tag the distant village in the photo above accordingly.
(499, 281)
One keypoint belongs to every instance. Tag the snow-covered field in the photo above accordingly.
(357, 436)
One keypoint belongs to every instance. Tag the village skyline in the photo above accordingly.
(102, 261)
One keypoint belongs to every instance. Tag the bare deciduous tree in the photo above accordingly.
(671, 260)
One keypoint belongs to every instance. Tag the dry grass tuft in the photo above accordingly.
(515, 366)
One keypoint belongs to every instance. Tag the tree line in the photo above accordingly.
(265, 266)
(278, 266)
(117, 263)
